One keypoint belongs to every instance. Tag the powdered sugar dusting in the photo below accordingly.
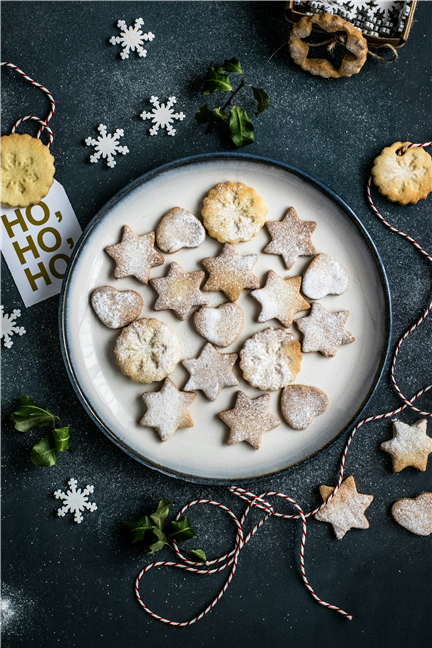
(324, 276)
(220, 326)
(300, 404)
(414, 514)
(116, 308)
(179, 229)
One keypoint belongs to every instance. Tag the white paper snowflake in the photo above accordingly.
(75, 501)
(8, 326)
(131, 38)
(162, 115)
(107, 145)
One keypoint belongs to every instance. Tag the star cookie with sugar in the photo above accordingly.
(323, 331)
(230, 272)
(249, 419)
(410, 445)
(291, 238)
(211, 372)
(280, 299)
(167, 410)
(179, 291)
(346, 509)
(135, 255)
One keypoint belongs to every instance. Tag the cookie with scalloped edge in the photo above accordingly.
(405, 178)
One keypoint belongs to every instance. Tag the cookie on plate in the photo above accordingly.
(116, 308)
(179, 229)
(323, 331)
(291, 238)
(147, 350)
(211, 372)
(346, 509)
(300, 404)
(27, 170)
(233, 212)
(220, 326)
(405, 178)
(167, 410)
(179, 291)
(414, 514)
(270, 359)
(249, 420)
(280, 299)
(230, 272)
(410, 445)
(134, 255)
(324, 276)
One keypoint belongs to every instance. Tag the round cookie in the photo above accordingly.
(179, 229)
(300, 404)
(233, 212)
(27, 170)
(270, 359)
(220, 326)
(116, 308)
(147, 350)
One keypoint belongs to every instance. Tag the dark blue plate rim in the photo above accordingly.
(146, 177)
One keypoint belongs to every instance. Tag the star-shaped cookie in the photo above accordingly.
(179, 291)
(135, 255)
(167, 410)
(346, 509)
(211, 372)
(291, 238)
(230, 272)
(324, 331)
(280, 299)
(249, 419)
(410, 445)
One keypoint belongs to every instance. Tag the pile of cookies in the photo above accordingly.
(147, 350)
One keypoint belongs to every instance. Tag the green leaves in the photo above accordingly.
(151, 528)
(241, 127)
(240, 124)
(28, 416)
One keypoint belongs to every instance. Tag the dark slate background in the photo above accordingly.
(72, 585)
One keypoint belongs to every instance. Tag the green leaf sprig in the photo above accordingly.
(150, 528)
(28, 416)
(239, 123)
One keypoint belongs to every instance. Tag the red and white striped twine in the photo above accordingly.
(261, 502)
(43, 123)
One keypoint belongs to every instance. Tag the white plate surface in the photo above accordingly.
(200, 453)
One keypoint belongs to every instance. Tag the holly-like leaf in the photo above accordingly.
(61, 438)
(161, 513)
(262, 99)
(181, 530)
(139, 528)
(241, 127)
(161, 541)
(28, 415)
(233, 65)
(199, 553)
(215, 82)
(205, 116)
(44, 453)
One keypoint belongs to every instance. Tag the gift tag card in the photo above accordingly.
(37, 242)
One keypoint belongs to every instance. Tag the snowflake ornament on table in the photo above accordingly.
(75, 501)
(107, 145)
(131, 38)
(162, 115)
(9, 327)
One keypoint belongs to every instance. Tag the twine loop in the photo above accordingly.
(43, 123)
(341, 39)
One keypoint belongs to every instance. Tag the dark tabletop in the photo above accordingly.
(73, 585)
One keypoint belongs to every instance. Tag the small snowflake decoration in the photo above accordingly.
(131, 38)
(8, 326)
(162, 115)
(75, 501)
(107, 145)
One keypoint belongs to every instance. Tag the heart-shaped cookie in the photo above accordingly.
(179, 229)
(300, 404)
(116, 308)
(324, 276)
(222, 325)
(414, 514)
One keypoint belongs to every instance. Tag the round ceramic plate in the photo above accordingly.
(201, 453)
